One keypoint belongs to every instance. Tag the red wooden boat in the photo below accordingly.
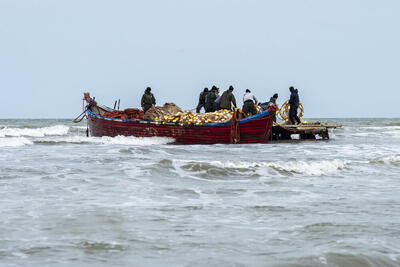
(253, 129)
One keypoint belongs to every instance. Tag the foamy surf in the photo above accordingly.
(56, 130)
(387, 160)
(106, 140)
(311, 168)
(14, 142)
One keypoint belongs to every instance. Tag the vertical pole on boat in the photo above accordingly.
(119, 100)
(115, 104)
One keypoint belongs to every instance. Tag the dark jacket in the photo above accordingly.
(148, 100)
(226, 99)
(265, 105)
(209, 101)
(202, 97)
(294, 99)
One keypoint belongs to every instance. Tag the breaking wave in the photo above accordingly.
(56, 130)
(387, 160)
(118, 140)
(14, 142)
(227, 168)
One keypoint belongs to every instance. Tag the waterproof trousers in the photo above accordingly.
(249, 108)
(294, 119)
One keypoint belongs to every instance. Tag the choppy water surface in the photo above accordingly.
(68, 200)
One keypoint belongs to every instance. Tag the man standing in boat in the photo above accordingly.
(227, 99)
(148, 100)
(294, 105)
(249, 102)
(210, 99)
(202, 100)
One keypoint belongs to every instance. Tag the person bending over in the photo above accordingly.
(249, 100)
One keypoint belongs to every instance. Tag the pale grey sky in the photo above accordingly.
(342, 55)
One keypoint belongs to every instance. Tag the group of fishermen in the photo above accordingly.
(211, 101)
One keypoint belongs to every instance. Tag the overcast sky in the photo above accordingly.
(342, 55)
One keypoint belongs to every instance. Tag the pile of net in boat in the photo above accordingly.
(129, 113)
(157, 112)
(188, 117)
(171, 113)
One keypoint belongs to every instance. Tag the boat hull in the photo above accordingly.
(255, 129)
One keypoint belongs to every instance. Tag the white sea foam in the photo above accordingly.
(35, 132)
(80, 127)
(118, 140)
(313, 168)
(388, 159)
(14, 141)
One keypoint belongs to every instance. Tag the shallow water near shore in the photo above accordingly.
(69, 200)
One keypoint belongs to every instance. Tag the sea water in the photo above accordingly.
(71, 200)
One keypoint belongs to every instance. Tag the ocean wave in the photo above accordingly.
(314, 168)
(228, 168)
(387, 160)
(80, 127)
(106, 140)
(56, 130)
(14, 142)
(346, 259)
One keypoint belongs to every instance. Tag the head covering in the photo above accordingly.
(231, 88)
(148, 89)
(291, 88)
(248, 91)
(275, 96)
(213, 88)
(205, 90)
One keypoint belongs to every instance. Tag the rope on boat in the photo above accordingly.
(81, 116)
(235, 130)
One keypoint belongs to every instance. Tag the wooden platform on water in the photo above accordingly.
(307, 131)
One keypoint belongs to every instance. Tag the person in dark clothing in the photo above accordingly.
(202, 100)
(294, 105)
(273, 98)
(227, 99)
(217, 101)
(210, 99)
(249, 102)
(271, 101)
(148, 100)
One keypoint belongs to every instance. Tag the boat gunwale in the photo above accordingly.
(245, 120)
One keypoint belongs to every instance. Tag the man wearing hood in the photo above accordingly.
(227, 99)
(294, 105)
(148, 100)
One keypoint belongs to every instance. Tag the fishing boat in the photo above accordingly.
(238, 130)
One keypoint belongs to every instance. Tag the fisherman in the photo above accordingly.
(217, 101)
(148, 100)
(272, 101)
(249, 100)
(294, 105)
(228, 99)
(202, 100)
(210, 99)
